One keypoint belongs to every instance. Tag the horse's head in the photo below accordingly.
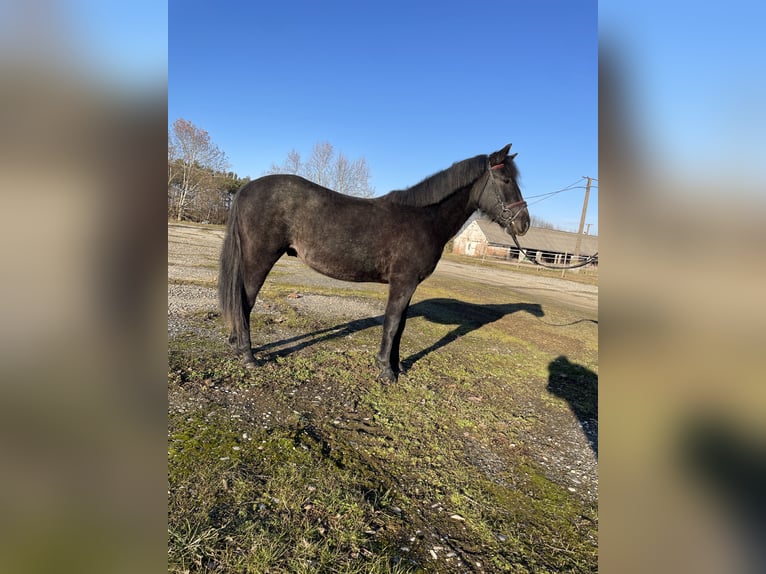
(498, 193)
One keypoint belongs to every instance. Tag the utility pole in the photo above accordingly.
(576, 256)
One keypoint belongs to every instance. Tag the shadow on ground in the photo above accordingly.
(579, 386)
(466, 317)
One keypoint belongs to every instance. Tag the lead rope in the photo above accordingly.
(506, 208)
(590, 259)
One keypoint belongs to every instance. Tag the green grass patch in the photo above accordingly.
(246, 500)
(309, 464)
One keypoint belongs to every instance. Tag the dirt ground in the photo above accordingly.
(563, 443)
(561, 292)
(192, 274)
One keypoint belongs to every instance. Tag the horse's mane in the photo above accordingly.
(435, 188)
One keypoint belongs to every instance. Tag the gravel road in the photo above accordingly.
(561, 292)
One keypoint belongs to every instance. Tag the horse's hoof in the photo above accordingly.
(249, 363)
(387, 376)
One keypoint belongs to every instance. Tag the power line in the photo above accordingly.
(570, 187)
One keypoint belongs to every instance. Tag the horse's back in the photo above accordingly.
(344, 237)
(295, 195)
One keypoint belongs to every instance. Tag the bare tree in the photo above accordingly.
(292, 164)
(172, 158)
(537, 221)
(319, 166)
(352, 177)
(329, 170)
(195, 164)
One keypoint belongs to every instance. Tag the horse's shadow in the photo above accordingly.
(466, 317)
(579, 386)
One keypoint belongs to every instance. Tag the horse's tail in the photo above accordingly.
(231, 286)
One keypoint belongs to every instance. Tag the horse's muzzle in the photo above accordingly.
(520, 223)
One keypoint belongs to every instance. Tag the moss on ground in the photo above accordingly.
(309, 464)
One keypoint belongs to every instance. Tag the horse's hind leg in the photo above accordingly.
(257, 267)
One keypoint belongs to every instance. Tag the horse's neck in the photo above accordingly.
(451, 213)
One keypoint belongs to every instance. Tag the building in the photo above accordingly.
(483, 238)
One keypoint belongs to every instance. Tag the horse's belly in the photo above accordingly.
(345, 266)
(356, 274)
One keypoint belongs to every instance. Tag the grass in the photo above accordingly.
(309, 464)
(266, 500)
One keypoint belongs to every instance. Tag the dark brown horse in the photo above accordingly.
(397, 238)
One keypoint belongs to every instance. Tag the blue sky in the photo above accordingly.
(411, 86)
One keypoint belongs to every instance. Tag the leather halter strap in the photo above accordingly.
(506, 215)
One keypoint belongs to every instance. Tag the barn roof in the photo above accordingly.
(541, 239)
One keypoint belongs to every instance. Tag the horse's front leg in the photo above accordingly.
(396, 364)
(393, 325)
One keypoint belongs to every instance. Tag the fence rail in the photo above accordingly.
(500, 252)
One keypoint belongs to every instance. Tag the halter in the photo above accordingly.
(507, 215)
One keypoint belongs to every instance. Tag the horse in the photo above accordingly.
(395, 239)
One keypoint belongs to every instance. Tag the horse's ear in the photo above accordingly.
(513, 155)
(499, 156)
